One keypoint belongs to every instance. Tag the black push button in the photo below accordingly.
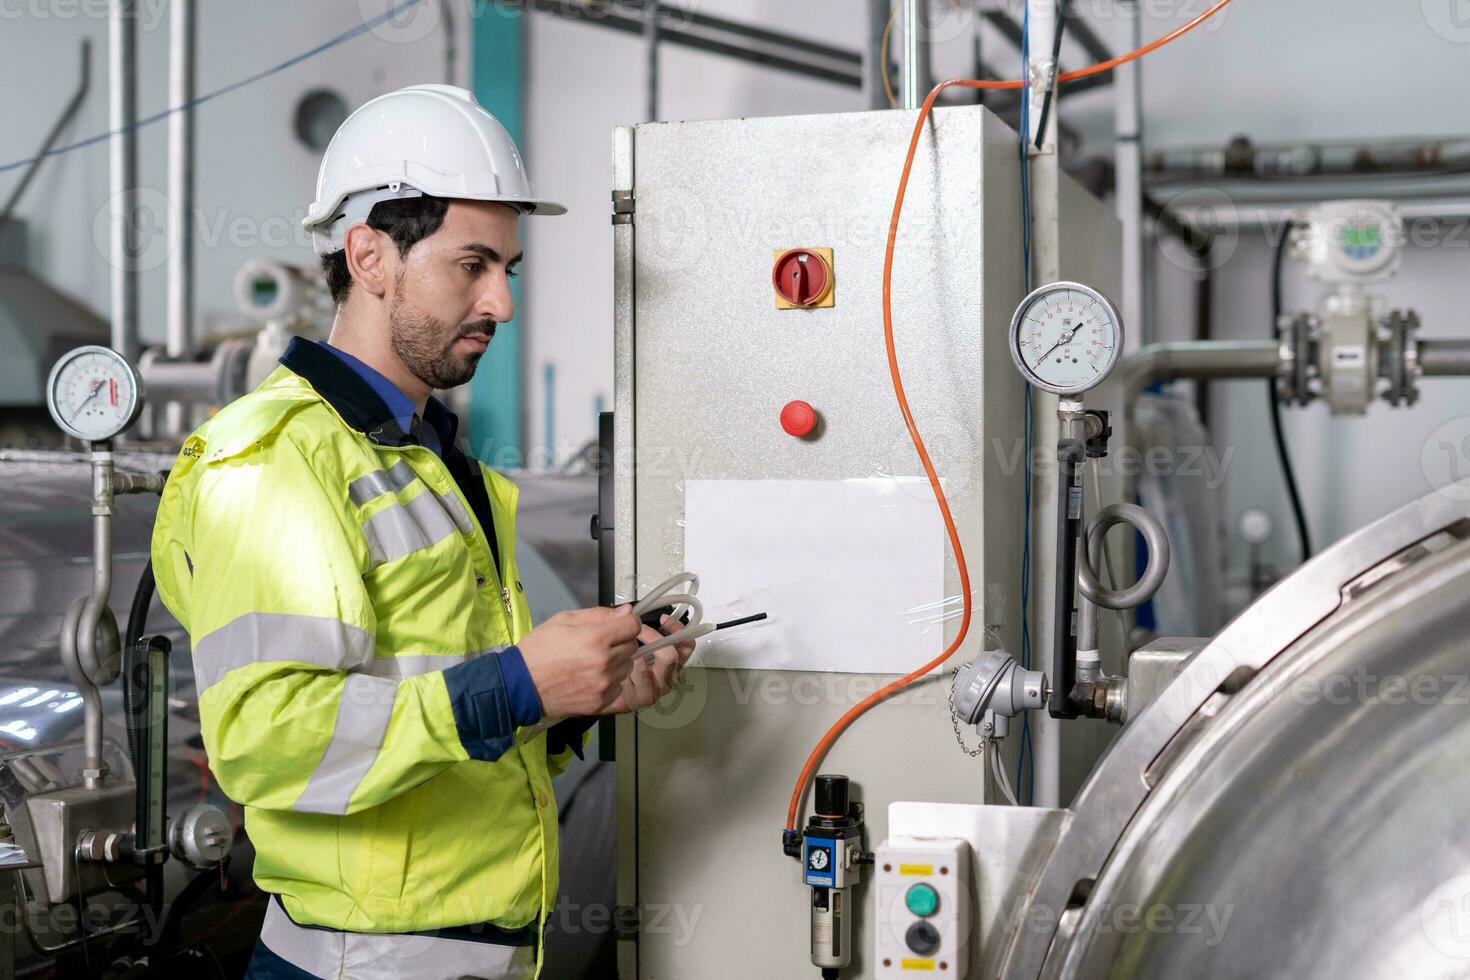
(922, 938)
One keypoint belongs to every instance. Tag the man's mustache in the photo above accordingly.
(486, 327)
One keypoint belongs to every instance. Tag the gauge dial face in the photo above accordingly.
(1066, 337)
(819, 859)
(93, 393)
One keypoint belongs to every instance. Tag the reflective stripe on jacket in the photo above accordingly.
(338, 589)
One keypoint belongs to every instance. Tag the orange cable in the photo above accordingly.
(852, 713)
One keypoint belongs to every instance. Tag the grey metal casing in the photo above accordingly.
(47, 809)
(1153, 666)
(1293, 775)
(704, 363)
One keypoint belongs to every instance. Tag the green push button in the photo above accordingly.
(922, 900)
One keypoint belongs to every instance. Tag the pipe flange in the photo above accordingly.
(1400, 366)
(1411, 356)
(1298, 335)
(1308, 339)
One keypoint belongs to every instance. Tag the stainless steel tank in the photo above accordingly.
(1294, 804)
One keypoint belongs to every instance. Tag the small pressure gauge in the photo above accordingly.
(94, 393)
(1066, 337)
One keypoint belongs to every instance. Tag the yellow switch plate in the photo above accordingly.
(828, 299)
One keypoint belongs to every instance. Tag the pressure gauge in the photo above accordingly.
(94, 393)
(1066, 337)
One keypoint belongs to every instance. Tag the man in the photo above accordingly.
(370, 685)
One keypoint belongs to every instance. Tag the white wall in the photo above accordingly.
(254, 179)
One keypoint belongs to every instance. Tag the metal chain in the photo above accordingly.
(954, 719)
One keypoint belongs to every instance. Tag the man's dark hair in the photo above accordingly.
(406, 220)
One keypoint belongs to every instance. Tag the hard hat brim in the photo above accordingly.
(323, 211)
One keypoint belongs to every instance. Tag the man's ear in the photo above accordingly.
(368, 261)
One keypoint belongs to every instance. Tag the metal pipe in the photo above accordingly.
(1128, 165)
(699, 19)
(1444, 358)
(1010, 29)
(702, 32)
(1041, 72)
(451, 50)
(1215, 360)
(181, 75)
(1272, 219)
(650, 38)
(1084, 35)
(122, 58)
(1089, 659)
(186, 381)
(914, 84)
(873, 59)
(1352, 158)
(93, 771)
(1046, 430)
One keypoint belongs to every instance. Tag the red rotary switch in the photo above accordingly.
(798, 419)
(802, 277)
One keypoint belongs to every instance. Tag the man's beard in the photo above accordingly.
(426, 345)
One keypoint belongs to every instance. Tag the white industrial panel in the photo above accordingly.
(706, 362)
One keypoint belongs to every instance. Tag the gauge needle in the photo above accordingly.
(1066, 339)
(96, 387)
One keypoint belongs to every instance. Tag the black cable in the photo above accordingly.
(1275, 404)
(137, 626)
(1056, 54)
(193, 891)
(76, 868)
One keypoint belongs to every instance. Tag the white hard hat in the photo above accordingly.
(424, 139)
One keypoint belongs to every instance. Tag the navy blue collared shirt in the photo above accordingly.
(436, 430)
(440, 420)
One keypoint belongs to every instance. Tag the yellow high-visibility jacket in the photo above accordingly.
(348, 615)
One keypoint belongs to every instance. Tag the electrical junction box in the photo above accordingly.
(923, 913)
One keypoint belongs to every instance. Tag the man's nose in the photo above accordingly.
(495, 301)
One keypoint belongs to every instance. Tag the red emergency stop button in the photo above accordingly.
(803, 277)
(798, 419)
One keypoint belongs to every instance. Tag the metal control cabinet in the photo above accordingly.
(705, 361)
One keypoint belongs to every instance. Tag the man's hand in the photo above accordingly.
(653, 677)
(580, 659)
